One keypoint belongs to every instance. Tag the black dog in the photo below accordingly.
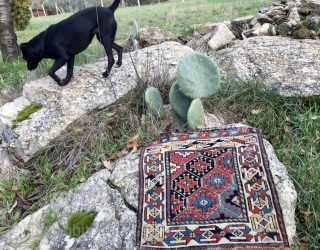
(62, 41)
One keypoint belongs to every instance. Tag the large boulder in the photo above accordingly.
(86, 92)
(115, 224)
(287, 65)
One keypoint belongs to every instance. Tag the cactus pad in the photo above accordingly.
(196, 115)
(179, 102)
(154, 101)
(198, 76)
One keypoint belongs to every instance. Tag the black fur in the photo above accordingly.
(62, 41)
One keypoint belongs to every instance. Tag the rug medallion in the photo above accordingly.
(210, 189)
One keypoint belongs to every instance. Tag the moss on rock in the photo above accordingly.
(25, 113)
(78, 223)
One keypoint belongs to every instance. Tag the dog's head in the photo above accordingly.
(32, 55)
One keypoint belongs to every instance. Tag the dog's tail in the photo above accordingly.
(114, 5)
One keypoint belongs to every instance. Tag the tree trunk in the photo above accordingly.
(8, 38)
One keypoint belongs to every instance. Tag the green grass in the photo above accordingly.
(292, 125)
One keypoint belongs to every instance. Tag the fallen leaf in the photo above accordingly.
(303, 246)
(132, 144)
(287, 128)
(306, 214)
(108, 115)
(21, 201)
(107, 164)
(135, 149)
(305, 239)
(288, 119)
(12, 145)
(244, 120)
(302, 150)
(122, 153)
(255, 111)
(15, 188)
(77, 129)
(83, 179)
(109, 127)
(135, 138)
(276, 138)
(112, 157)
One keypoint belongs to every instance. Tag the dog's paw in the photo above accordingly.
(104, 74)
(118, 64)
(63, 82)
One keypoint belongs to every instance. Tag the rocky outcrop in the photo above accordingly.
(286, 65)
(86, 92)
(115, 224)
(153, 35)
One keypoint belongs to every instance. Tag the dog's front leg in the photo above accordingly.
(57, 65)
(70, 65)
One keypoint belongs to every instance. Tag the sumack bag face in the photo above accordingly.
(210, 189)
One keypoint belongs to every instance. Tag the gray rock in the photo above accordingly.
(221, 37)
(294, 15)
(153, 35)
(242, 20)
(210, 27)
(7, 169)
(86, 92)
(263, 18)
(265, 9)
(265, 29)
(311, 3)
(292, 72)
(126, 176)
(276, 13)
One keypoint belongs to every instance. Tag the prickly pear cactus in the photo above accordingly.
(78, 223)
(179, 102)
(134, 32)
(196, 115)
(154, 101)
(198, 76)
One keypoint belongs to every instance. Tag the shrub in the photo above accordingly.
(21, 13)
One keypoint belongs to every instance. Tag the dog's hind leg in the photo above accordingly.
(119, 50)
(107, 44)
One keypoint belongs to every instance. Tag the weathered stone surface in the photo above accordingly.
(153, 35)
(86, 92)
(294, 15)
(287, 65)
(7, 169)
(276, 12)
(126, 176)
(303, 33)
(266, 29)
(221, 36)
(242, 20)
(264, 18)
(210, 27)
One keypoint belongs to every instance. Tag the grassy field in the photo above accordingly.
(292, 125)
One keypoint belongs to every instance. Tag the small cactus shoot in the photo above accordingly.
(134, 32)
(179, 102)
(198, 76)
(196, 115)
(78, 223)
(154, 101)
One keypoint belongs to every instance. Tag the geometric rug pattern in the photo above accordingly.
(209, 189)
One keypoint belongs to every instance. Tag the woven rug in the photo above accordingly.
(211, 189)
